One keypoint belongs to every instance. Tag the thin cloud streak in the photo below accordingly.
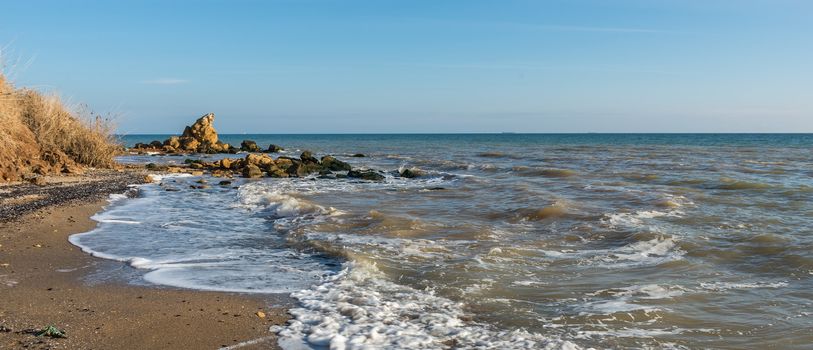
(165, 81)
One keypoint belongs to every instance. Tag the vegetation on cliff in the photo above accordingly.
(39, 135)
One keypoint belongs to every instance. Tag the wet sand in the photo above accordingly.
(44, 281)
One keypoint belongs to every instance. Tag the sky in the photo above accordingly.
(384, 66)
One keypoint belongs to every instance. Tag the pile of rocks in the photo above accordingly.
(201, 137)
(262, 165)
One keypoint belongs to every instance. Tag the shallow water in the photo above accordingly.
(509, 241)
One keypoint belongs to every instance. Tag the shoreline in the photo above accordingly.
(44, 281)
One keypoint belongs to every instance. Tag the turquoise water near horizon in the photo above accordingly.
(515, 241)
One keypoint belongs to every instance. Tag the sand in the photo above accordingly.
(44, 280)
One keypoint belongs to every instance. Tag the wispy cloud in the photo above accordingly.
(165, 81)
(550, 27)
(597, 29)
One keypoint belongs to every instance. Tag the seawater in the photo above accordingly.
(510, 241)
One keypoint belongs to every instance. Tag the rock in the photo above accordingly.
(156, 144)
(272, 148)
(330, 163)
(249, 146)
(302, 169)
(220, 147)
(307, 157)
(233, 150)
(196, 173)
(252, 171)
(285, 162)
(411, 173)
(189, 143)
(275, 171)
(169, 149)
(226, 163)
(358, 155)
(141, 145)
(173, 141)
(370, 175)
(224, 183)
(202, 130)
(261, 160)
(260, 314)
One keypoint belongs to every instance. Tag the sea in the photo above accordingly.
(506, 241)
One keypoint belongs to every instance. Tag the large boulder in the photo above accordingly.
(249, 146)
(330, 163)
(202, 130)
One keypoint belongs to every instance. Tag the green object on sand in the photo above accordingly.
(52, 332)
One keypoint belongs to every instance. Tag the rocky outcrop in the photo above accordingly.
(201, 137)
(202, 131)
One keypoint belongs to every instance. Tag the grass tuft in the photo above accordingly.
(39, 134)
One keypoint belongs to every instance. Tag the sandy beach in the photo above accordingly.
(43, 281)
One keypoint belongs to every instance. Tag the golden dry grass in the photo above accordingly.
(38, 133)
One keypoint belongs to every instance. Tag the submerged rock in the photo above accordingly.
(358, 155)
(369, 174)
(411, 173)
(272, 148)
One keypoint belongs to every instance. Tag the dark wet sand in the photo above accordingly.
(43, 281)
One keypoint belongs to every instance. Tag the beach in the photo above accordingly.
(45, 280)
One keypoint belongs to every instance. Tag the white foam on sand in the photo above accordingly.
(359, 308)
(204, 239)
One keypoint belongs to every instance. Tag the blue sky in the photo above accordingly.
(322, 66)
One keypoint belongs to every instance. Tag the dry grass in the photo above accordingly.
(38, 133)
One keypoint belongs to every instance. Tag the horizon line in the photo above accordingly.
(501, 133)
